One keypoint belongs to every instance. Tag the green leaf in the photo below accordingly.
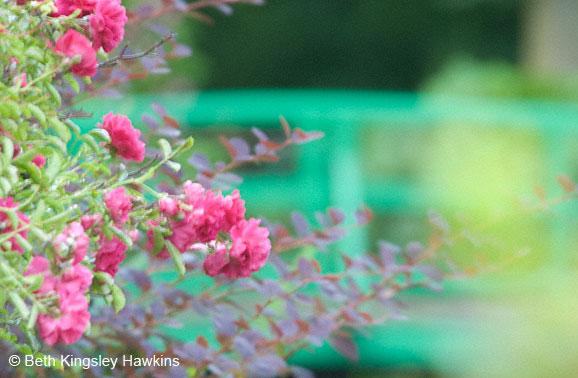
(174, 166)
(165, 147)
(33, 281)
(177, 257)
(19, 303)
(104, 277)
(122, 236)
(118, 299)
(60, 128)
(72, 81)
(53, 166)
(54, 95)
(37, 113)
(159, 241)
(7, 147)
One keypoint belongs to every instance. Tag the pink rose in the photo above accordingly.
(169, 206)
(123, 137)
(71, 44)
(119, 204)
(7, 227)
(247, 254)
(70, 287)
(109, 255)
(67, 7)
(72, 241)
(205, 214)
(87, 221)
(107, 24)
(39, 160)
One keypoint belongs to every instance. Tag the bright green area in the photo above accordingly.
(469, 158)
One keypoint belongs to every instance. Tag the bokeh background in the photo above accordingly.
(467, 107)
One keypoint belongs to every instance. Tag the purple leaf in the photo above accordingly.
(301, 372)
(345, 346)
(267, 366)
(305, 268)
(200, 161)
(413, 250)
(182, 51)
(259, 134)
(159, 29)
(150, 121)
(169, 132)
(336, 215)
(322, 219)
(180, 5)
(159, 109)
(245, 347)
(224, 322)
(300, 223)
(242, 148)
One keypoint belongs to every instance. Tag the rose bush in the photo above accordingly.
(74, 205)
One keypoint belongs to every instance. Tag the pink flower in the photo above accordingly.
(169, 206)
(71, 44)
(72, 317)
(205, 214)
(21, 79)
(87, 221)
(67, 7)
(39, 160)
(123, 137)
(72, 241)
(119, 204)
(247, 254)
(107, 24)
(109, 255)
(7, 227)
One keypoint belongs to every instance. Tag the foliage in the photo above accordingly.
(74, 205)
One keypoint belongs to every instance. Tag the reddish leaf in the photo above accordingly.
(566, 183)
(202, 341)
(229, 146)
(275, 328)
(286, 127)
(540, 192)
(170, 121)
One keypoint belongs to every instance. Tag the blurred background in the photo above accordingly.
(461, 106)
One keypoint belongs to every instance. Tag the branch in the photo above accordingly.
(114, 61)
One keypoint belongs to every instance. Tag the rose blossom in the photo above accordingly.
(71, 44)
(107, 24)
(73, 239)
(67, 7)
(39, 160)
(205, 214)
(111, 253)
(123, 137)
(7, 227)
(247, 254)
(119, 204)
(169, 206)
(87, 221)
(71, 321)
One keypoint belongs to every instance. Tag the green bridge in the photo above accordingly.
(403, 154)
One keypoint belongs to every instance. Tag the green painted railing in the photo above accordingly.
(333, 172)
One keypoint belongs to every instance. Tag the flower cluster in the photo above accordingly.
(205, 217)
(111, 251)
(107, 19)
(70, 321)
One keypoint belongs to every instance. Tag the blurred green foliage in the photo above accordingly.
(393, 44)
